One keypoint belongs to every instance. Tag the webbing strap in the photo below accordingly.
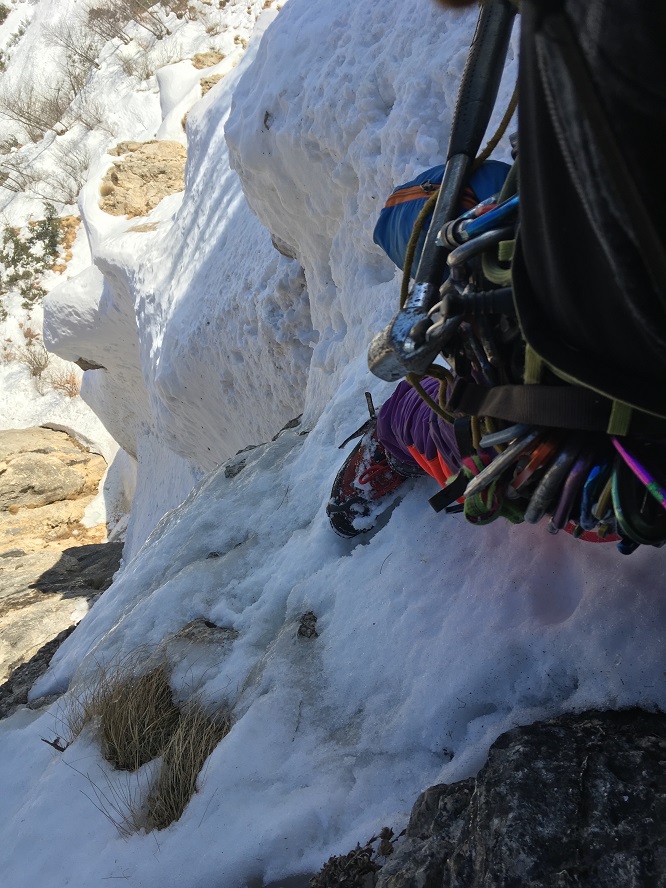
(566, 407)
(620, 419)
(449, 494)
(533, 366)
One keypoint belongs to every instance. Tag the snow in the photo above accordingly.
(434, 637)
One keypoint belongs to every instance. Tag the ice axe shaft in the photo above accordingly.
(401, 347)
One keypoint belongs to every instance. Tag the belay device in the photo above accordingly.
(548, 303)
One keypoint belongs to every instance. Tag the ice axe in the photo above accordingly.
(402, 347)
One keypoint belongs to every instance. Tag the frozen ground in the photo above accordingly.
(434, 637)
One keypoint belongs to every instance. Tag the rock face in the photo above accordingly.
(579, 800)
(146, 173)
(207, 59)
(14, 692)
(46, 481)
(52, 566)
(207, 83)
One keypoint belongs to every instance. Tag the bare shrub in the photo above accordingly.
(8, 351)
(35, 357)
(78, 42)
(92, 114)
(359, 866)
(63, 183)
(137, 65)
(144, 64)
(107, 22)
(166, 54)
(195, 737)
(62, 380)
(181, 8)
(108, 19)
(141, 11)
(29, 334)
(9, 144)
(4, 12)
(17, 173)
(37, 108)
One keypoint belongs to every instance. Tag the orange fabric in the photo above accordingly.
(414, 192)
(435, 467)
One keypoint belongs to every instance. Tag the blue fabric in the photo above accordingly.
(394, 226)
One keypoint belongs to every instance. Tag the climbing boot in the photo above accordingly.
(366, 478)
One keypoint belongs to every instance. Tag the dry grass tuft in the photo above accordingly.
(194, 739)
(135, 713)
(138, 722)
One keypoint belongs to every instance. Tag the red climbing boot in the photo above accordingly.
(366, 477)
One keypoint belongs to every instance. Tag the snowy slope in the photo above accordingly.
(434, 637)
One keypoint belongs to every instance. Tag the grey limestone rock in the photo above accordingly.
(579, 800)
(14, 691)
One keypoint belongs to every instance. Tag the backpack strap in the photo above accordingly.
(562, 406)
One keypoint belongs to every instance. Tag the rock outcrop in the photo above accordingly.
(579, 800)
(52, 566)
(145, 173)
(203, 60)
(14, 691)
(47, 480)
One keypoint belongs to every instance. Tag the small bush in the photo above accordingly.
(4, 12)
(38, 107)
(167, 54)
(107, 22)
(179, 7)
(35, 357)
(108, 19)
(16, 172)
(24, 257)
(62, 183)
(8, 144)
(137, 65)
(16, 36)
(78, 42)
(29, 334)
(66, 381)
(357, 868)
(35, 251)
